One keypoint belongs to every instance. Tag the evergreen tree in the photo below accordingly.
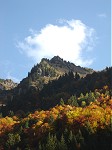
(12, 140)
(91, 97)
(61, 102)
(77, 77)
(51, 142)
(73, 101)
(27, 124)
(71, 75)
(62, 144)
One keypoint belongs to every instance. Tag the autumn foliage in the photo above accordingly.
(67, 127)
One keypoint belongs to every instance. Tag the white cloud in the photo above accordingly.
(102, 15)
(69, 40)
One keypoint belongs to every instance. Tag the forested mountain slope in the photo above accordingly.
(25, 95)
(63, 127)
(62, 88)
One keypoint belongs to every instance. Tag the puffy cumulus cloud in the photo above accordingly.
(69, 40)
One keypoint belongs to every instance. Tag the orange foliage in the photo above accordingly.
(96, 115)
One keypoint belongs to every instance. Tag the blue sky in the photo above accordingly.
(77, 30)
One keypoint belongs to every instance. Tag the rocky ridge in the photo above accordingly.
(7, 84)
(48, 70)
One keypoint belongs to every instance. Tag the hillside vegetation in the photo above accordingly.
(25, 95)
(70, 84)
(63, 127)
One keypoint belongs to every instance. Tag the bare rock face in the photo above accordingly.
(64, 66)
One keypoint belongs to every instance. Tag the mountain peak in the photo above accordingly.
(44, 59)
(55, 59)
(56, 66)
(48, 70)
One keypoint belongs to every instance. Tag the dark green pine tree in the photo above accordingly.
(51, 142)
(61, 102)
(77, 77)
(73, 101)
(72, 141)
(27, 124)
(91, 97)
(62, 144)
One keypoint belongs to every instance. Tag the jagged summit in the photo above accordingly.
(56, 66)
(55, 59)
(48, 70)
